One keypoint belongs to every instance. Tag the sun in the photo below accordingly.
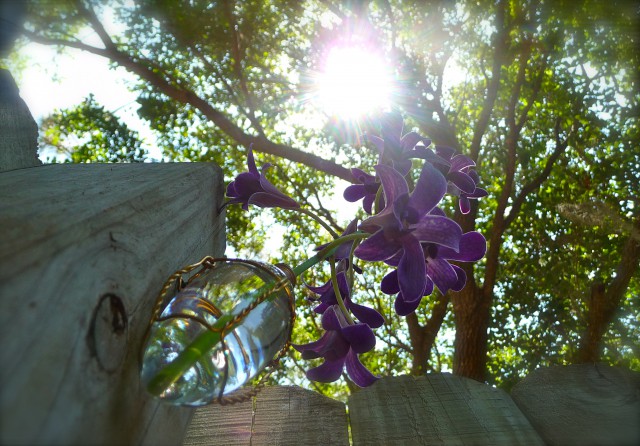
(353, 82)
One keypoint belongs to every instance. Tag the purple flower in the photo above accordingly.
(367, 189)
(440, 272)
(252, 187)
(462, 177)
(340, 346)
(404, 223)
(398, 148)
(344, 250)
(328, 298)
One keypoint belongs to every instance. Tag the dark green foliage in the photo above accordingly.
(88, 133)
(545, 90)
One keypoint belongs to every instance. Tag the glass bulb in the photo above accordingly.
(227, 288)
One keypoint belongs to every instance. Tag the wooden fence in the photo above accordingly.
(83, 251)
(590, 404)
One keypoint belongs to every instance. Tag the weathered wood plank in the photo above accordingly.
(585, 404)
(291, 415)
(436, 409)
(18, 130)
(221, 425)
(279, 415)
(84, 252)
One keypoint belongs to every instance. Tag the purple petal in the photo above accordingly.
(318, 348)
(403, 166)
(389, 284)
(445, 151)
(367, 203)
(246, 184)
(378, 142)
(462, 181)
(391, 129)
(231, 190)
(328, 372)
(360, 337)
(478, 193)
(460, 162)
(429, 190)
(439, 230)
(358, 372)
(384, 219)
(365, 314)
(377, 247)
(393, 183)
(267, 200)
(438, 211)
(251, 162)
(321, 308)
(319, 289)
(464, 204)
(412, 272)
(442, 274)
(473, 247)
(462, 278)
(285, 201)
(330, 319)
(429, 288)
(354, 192)
(405, 308)
(362, 176)
(409, 141)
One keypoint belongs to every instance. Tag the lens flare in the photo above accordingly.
(354, 82)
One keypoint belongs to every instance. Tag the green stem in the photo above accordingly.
(327, 251)
(336, 291)
(209, 338)
(320, 221)
(351, 265)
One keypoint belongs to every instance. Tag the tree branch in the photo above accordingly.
(604, 301)
(527, 189)
(88, 13)
(237, 65)
(499, 56)
(181, 94)
(334, 9)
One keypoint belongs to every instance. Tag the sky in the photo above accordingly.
(56, 80)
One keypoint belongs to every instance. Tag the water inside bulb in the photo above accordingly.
(227, 288)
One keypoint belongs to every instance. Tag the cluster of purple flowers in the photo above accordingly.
(410, 233)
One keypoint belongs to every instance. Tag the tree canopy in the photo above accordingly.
(542, 95)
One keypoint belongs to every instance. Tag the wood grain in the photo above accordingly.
(437, 409)
(279, 415)
(84, 251)
(18, 130)
(585, 404)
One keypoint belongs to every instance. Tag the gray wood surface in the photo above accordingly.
(586, 404)
(18, 130)
(279, 415)
(436, 409)
(84, 251)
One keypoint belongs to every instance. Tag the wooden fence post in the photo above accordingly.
(437, 409)
(84, 251)
(18, 130)
(583, 404)
(278, 415)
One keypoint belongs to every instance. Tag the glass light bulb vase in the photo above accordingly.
(230, 320)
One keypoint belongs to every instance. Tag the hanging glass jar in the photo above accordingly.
(228, 322)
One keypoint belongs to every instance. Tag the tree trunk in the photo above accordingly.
(423, 337)
(471, 311)
(605, 300)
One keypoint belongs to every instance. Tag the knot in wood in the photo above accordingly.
(108, 333)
